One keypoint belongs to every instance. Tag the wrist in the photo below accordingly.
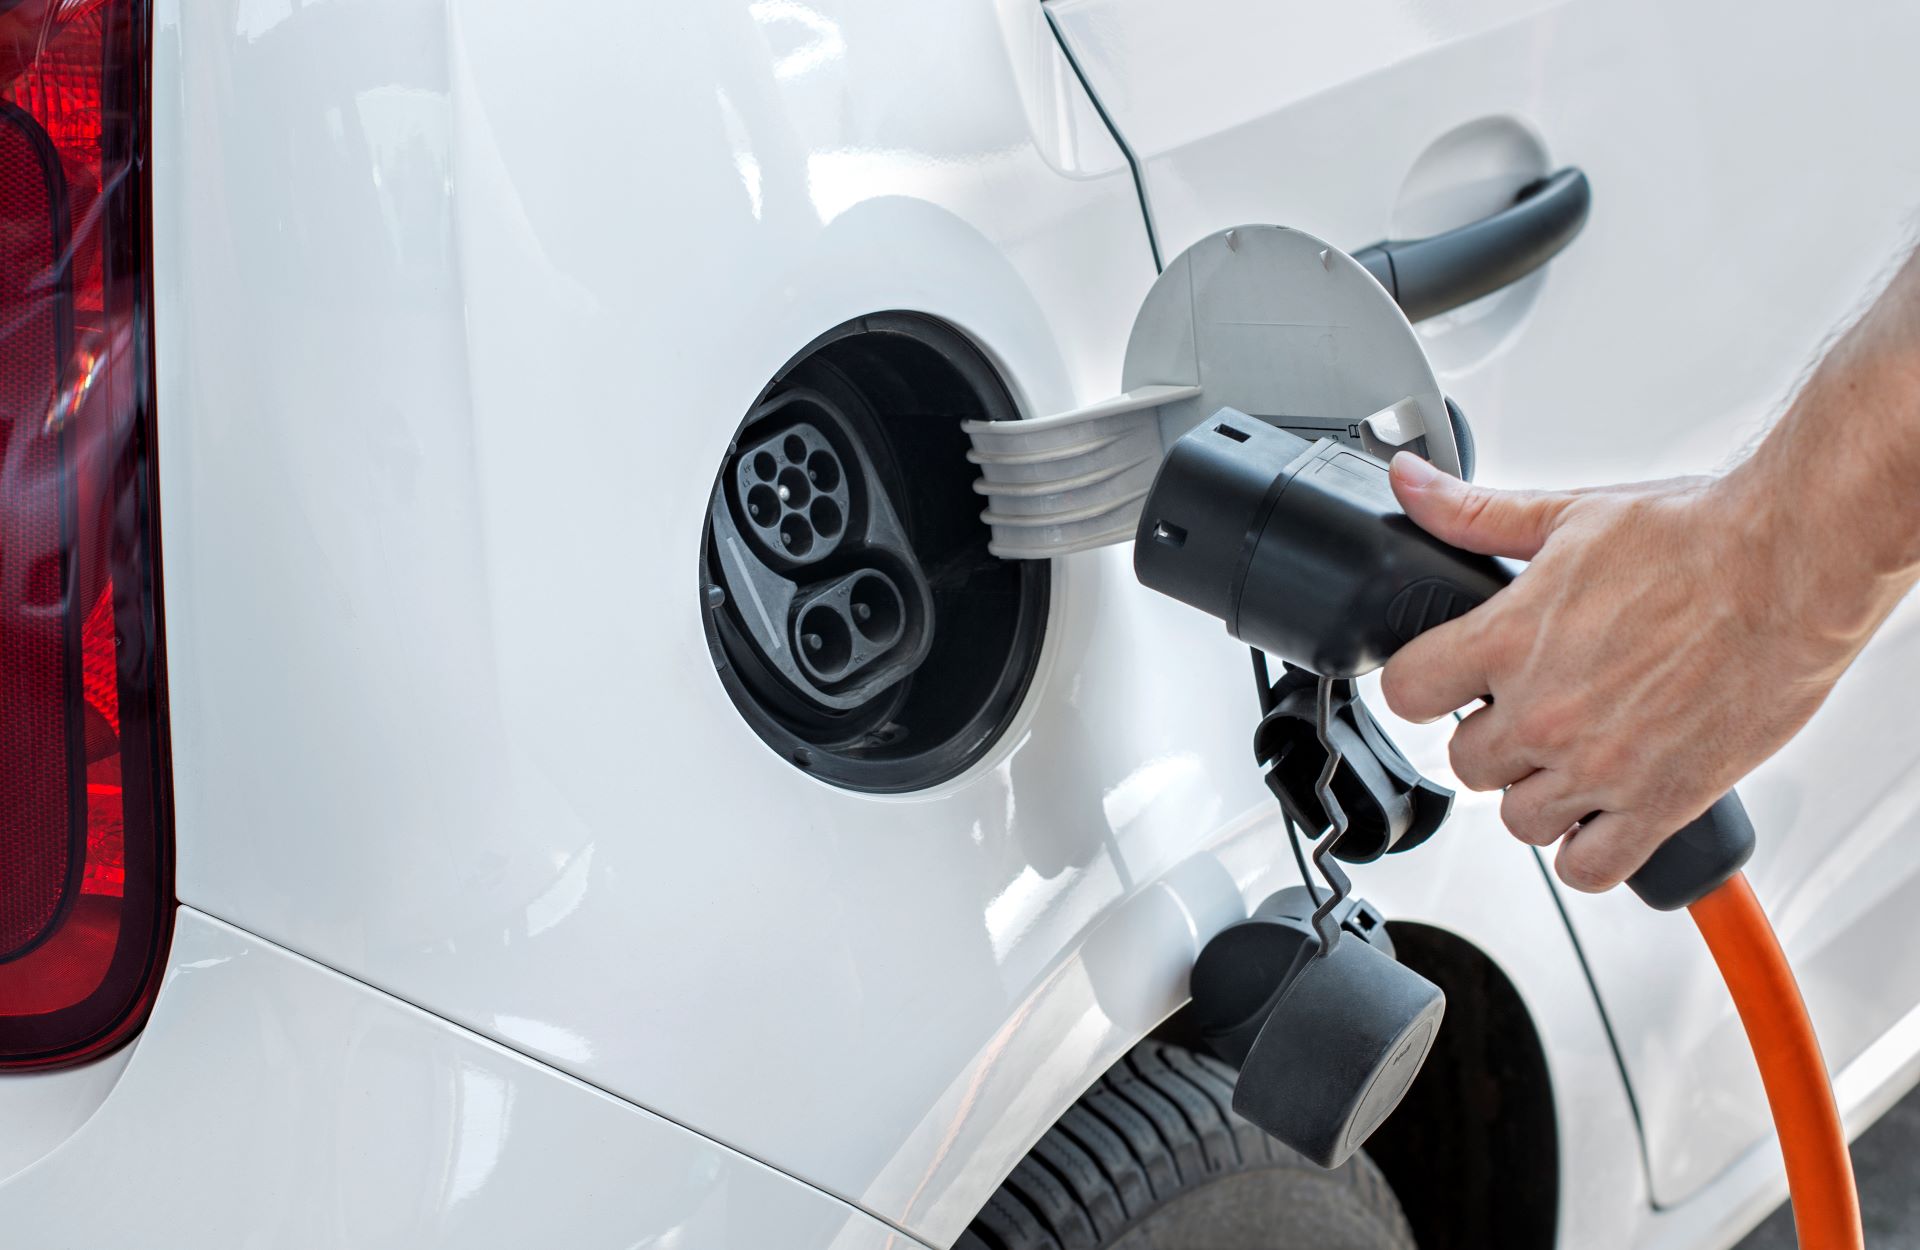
(1854, 446)
(1823, 521)
(1819, 535)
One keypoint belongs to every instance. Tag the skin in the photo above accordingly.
(1669, 636)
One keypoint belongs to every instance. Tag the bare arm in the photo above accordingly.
(1669, 636)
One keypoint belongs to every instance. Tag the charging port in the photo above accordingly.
(792, 492)
(839, 610)
(855, 614)
(849, 626)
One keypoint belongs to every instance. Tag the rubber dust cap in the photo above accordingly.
(1339, 1051)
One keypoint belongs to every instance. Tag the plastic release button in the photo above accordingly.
(1428, 602)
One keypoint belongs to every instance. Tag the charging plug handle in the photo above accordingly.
(1699, 859)
(1302, 549)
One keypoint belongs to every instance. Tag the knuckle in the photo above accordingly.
(1460, 756)
(1585, 874)
(1609, 757)
(1478, 507)
(1528, 819)
(1506, 633)
(1550, 725)
(1471, 763)
(1661, 815)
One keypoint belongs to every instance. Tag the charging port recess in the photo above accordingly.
(855, 613)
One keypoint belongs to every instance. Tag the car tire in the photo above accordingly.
(1153, 1158)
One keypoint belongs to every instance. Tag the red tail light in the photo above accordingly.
(85, 868)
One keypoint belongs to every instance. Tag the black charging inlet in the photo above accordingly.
(816, 594)
(855, 615)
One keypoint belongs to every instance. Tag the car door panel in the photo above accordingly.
(1750, 181)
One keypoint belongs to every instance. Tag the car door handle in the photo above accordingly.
(1443, 271)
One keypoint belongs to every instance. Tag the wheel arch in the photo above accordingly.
(1473, 1151)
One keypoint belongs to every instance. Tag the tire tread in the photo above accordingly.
(1108, 1150)
(1161, 1122)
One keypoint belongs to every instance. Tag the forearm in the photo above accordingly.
(1832, 495)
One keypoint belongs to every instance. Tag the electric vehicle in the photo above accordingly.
(412, 839)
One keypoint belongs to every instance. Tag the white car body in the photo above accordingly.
(497, 924)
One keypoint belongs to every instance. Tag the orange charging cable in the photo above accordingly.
(1826, 1207)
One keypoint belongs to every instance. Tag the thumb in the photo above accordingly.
(1512, 523)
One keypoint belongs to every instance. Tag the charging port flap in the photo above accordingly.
(1263, 319)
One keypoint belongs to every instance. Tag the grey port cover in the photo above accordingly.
(1269, 320)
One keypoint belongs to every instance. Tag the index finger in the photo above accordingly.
(1438, 672)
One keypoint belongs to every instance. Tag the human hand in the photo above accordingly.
(1666, 638)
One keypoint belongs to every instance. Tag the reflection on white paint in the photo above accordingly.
(405, 130)
(840, 178)
(1035, 916)
(745, 163)
(1186, 913)
(836, 181)
(1142, 787)
(558, 900)
(1015, 909)
(254, 18)
(820, 41)
(486, 1104)
(401, 124)
(542, 1038)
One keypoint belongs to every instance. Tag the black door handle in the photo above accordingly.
(1431, 275)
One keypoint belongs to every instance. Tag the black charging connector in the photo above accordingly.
(1302, 549)
(1299, 547)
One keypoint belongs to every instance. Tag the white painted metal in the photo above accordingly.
(444, 718)
(39, 1110)
(273, 1103)
(1712, 268)
(457, 307)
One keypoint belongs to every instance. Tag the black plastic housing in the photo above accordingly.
(1243, 969)
(805, 584)
(1327, 1044)
(1389, 806)
(1339, 1051)
(1303, 551)
(889, 393)
(1299, 547)
(1429, 276)
(1699, 859)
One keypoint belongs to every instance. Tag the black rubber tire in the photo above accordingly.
(1153, 1158)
